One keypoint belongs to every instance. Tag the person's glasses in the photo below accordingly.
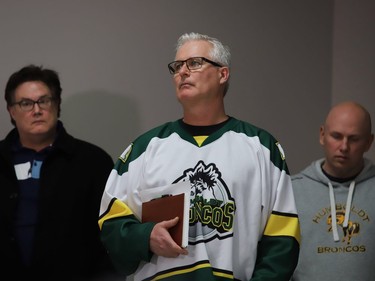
(191, 63)
(28, 105)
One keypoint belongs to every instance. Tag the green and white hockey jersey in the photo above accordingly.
(243, 223)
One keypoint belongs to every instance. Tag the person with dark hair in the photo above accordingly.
(243, 223)
(335, 198)
(48, 211)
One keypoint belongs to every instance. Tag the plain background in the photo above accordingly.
(291, 61)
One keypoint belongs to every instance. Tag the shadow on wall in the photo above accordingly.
(107, 120)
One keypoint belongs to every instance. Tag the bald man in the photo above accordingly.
(341, 186)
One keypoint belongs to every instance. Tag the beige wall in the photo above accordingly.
(288, 62)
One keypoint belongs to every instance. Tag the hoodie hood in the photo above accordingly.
(315, 173)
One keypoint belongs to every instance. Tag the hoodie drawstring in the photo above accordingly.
(349, 204)
(333, 209)
(333, 213)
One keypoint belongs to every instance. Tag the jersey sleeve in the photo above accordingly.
(278, 249)
(123, 235)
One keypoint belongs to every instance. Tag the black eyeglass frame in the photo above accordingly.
(48, 100)
(173, 71)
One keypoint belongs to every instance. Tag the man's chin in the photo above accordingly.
(40, 129)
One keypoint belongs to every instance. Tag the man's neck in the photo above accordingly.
(37, 142)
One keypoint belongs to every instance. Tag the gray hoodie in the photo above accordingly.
(341, 249)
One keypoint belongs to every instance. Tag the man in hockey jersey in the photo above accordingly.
(335, 201)
(243, 221)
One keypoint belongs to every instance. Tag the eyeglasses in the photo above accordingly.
(191, 63)
(28, 105)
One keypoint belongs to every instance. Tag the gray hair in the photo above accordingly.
(219, 52)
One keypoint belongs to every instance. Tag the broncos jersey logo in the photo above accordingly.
(212, 207)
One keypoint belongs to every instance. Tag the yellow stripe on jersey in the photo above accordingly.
(177, 272)
(117, 209)
(279, 225)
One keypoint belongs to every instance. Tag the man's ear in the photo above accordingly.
(10, 110)
(224, 72)
(321, 135)
(370, 141)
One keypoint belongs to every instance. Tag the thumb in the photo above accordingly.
(171, 223)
